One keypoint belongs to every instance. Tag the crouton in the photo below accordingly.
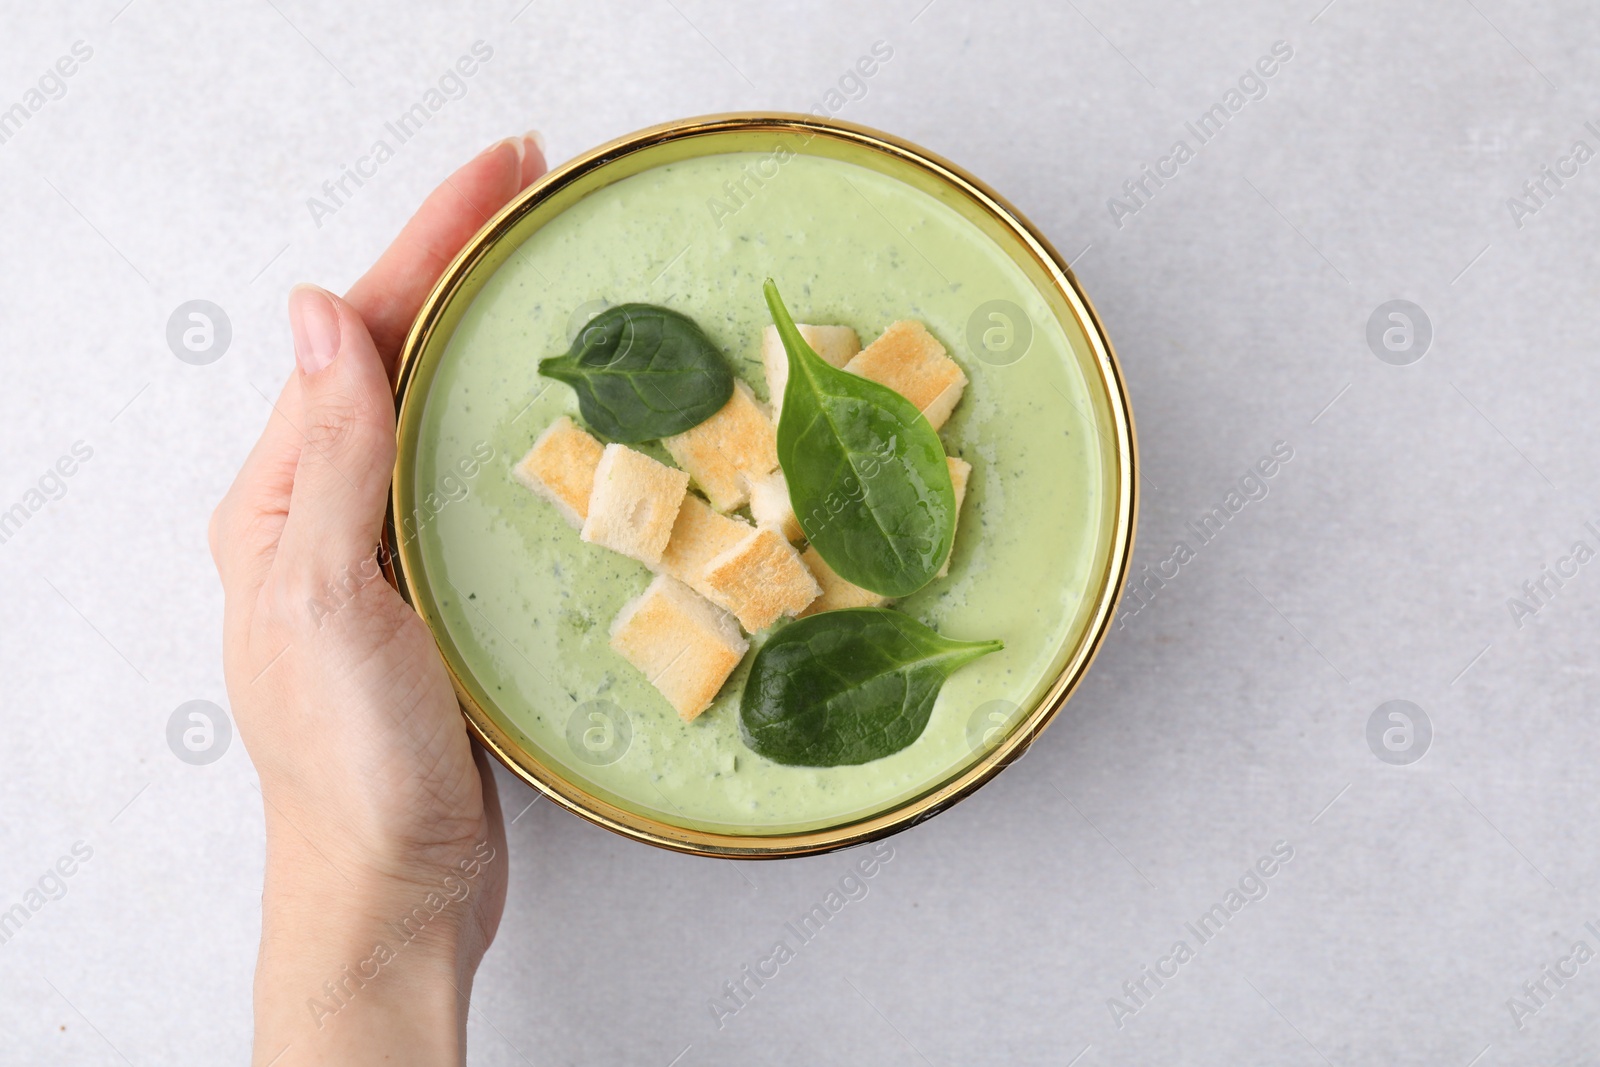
(684, 645)
(738, 440)
(700, 535)
(560, 467)
(759, 579)
(912, 362)
(836, 592)
(960, 469)
(835, 344)
(770, 505)
(634, 504)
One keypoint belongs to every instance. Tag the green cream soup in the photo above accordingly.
(528, 606)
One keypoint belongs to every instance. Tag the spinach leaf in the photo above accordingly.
(846, 687)
(643, 372)
(866, 472)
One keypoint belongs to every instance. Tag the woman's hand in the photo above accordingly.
(386, 867)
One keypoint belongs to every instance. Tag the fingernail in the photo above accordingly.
(518, 145)
(315, 323)
(537, 138)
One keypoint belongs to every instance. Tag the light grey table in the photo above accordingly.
(1388, 158)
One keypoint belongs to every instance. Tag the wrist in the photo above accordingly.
(381, 1006)
(359, 963)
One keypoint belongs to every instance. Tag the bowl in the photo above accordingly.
(858, 227)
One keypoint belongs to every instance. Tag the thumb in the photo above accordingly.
(341, 481)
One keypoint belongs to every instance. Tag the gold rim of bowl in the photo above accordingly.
(623, 157)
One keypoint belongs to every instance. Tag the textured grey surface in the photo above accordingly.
(1227, 715)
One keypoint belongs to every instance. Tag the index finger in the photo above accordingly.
(389, 295)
